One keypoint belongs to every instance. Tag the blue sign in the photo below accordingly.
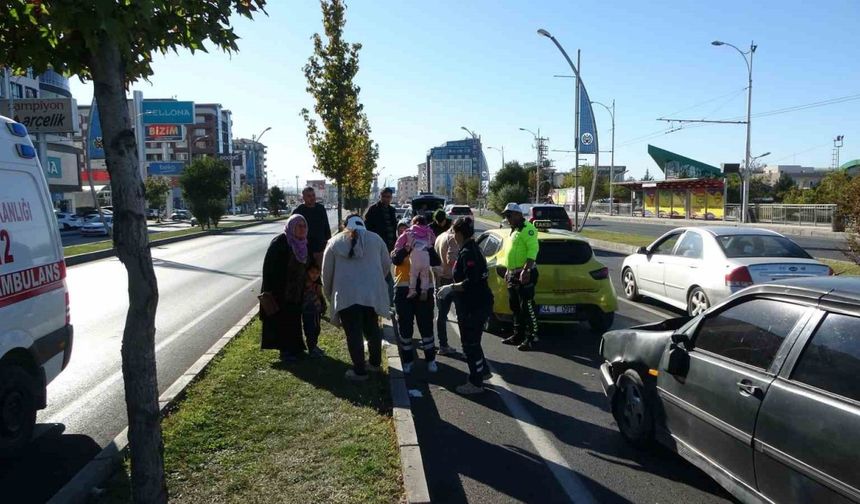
(53, 168)
(587, 141)
(166, 168)
(167, 112)
(95, 145)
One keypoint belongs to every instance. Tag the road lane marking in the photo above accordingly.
(108, 382)
(644, 307)
(570, 482)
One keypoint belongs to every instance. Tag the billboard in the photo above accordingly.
(163, 132)
(45, 115)
(166, 168)
(234, 159)
(167, 112)
(95, 144)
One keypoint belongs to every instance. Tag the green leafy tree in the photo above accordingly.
(832, 188)
(512, 174)
(511, 193)
(849, 212)
(155, 192)
(760, 190)
(467, 189)
(363, 153)
(337, 133)
(784, 184)
(647, 176)
(277, 199)
(205, 184)
(245, 196)
(112, 43)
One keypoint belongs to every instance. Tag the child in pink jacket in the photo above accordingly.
(417, 239)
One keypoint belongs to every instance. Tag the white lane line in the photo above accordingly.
(108, 382)
(643, 307)
(570, 482)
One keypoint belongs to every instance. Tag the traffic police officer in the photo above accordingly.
(521, 276)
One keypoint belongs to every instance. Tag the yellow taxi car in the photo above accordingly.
(573, 285)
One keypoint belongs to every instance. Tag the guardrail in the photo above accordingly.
(798, 215)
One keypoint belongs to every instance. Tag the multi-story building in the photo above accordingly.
(254, 164)
(458, 157)
(407, 188)
(423, 178)
(59, 155)
(805, 177)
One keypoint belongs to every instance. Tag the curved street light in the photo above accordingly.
(747, 160)
(467, 130)
(612, 151)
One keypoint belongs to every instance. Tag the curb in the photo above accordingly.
(111, 252)
(411, 462)
(79, 489)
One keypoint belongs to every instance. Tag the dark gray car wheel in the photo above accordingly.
(17, 409)
(633, 410)
(697, 302)
(628, 280)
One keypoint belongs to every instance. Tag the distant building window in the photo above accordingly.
(30, 93)
(17, 91)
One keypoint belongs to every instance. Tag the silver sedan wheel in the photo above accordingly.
(629, 284)
(698, 302)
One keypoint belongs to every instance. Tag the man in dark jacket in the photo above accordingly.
(441, 222)
(319, 230)
(381, 218)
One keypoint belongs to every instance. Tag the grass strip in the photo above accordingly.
(252, 430)
(612, 236)
(842, 268)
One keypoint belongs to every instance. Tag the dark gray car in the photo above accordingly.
(762, 391)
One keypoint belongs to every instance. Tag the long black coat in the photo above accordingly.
(284, 277)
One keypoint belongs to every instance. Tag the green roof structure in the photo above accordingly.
(676, 166)
(848, 165)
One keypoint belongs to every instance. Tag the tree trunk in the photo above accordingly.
(132, 247)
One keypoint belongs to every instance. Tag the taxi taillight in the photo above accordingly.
(601, 274)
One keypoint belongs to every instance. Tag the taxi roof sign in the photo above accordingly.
(542, 225)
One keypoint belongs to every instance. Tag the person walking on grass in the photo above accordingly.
(411, 310)
(319, 231)
(355, 264)
(313, 305)
(283, 291)
(474, 301)
(447, 249)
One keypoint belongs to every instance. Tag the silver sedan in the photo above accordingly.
(694, 267)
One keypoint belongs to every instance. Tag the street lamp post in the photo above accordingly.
(502, 150)
(612, 151)
(537, 164)
(575, 69)
(746, 174)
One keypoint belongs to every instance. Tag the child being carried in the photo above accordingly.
(417, 239)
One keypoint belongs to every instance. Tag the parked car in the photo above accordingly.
(97, 228)
(35, 330)
(180, 215)
(694, 267)
(260, 213)
(556, 214)
(573, 285)
(759, 391)
(152, 213)
(459, 211)
(67, 221)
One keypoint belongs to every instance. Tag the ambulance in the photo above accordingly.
(35, 332)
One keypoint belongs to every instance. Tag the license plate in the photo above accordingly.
(557, 309)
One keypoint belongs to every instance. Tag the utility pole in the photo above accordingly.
(837, 144)
(612, 151)
(576, 147)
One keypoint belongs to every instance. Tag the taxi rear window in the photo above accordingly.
(563, 252)
(549, 213)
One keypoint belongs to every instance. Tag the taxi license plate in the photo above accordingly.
(557, 309)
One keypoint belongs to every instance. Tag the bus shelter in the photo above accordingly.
(689, 198)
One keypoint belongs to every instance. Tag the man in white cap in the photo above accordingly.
(519, 258)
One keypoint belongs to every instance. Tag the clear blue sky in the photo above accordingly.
(428, 68)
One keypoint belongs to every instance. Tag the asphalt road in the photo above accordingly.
(830, 248)
(543, 432)
(206, 285)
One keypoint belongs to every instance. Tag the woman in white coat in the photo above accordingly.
(355, 264)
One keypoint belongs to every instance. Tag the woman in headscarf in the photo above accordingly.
(355, 264)
(283, 290)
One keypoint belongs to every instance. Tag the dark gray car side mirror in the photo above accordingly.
(642, 250)
(678, 363)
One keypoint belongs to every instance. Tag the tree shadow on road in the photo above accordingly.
(46, 465)
(163, 263)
